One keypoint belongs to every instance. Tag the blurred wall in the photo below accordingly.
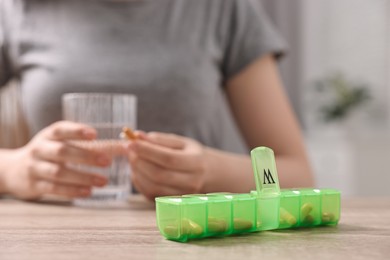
(352, 38)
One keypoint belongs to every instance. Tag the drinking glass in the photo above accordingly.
(108, 113)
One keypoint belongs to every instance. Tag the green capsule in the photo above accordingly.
(287, 218)
(306, 209)
(216, 225)
(328, 217)
(242, 224)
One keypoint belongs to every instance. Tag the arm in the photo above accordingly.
(265, 118)
(166, 164)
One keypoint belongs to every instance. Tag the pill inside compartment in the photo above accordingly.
(181, 218)
(310, 207)
(244, 213)
(289, 209)
(330, 206)
(219, 213)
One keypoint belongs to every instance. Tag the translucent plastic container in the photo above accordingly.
(198, 216)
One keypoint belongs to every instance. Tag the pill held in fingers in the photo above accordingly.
(128, 133)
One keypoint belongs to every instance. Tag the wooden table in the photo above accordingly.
(61, 231)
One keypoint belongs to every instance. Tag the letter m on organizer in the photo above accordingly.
(268, 177)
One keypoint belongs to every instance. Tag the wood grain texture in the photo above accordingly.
(59, 230)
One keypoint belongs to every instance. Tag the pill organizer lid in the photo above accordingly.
(178, 200)
(289, 193)
(329, 191)
(242, 196)
(304, 192)
(264, 169)
(218, 193)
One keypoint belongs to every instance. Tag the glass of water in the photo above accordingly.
(108, 113)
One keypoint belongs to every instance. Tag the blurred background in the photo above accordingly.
(337, 74)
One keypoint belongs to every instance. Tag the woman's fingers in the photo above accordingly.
(150, 189)
(66, 130)
(61, 174)
(182, 181)
(165, 164)
(164, 157)
(168, 140)
(70, 191)
(61, 152)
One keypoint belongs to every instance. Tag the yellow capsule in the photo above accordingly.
(308, 219)
(328, 217)
(191, 228)
(306, 209)
(287, 218)
(171, 231)
(185, 227)
(212, 219)
(258, 223)
(216, 225)
(242, 224)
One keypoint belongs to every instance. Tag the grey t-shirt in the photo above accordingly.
(174, 55)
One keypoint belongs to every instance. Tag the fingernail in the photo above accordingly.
(103, 160)
(99, 181)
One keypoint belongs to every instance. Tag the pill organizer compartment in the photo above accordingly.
(310, 207)
(268, 212)
(244, 213)
(168, 211)
(181, 218)
(330, 206)
(267, 187)
(289, 209)
(219, 214)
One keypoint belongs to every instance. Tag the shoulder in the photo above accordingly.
(11, 14)
(9, 9)
(243, 12)
(7, 6)
(10, 17)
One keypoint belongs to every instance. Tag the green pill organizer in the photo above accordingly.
(196, 216)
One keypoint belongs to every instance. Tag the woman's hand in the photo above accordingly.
(42, 166)
(167, 164)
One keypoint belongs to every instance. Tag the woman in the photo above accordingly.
(204, 73)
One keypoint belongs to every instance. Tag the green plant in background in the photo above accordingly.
(343, 96)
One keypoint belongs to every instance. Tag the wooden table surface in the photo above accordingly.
(48, 230)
